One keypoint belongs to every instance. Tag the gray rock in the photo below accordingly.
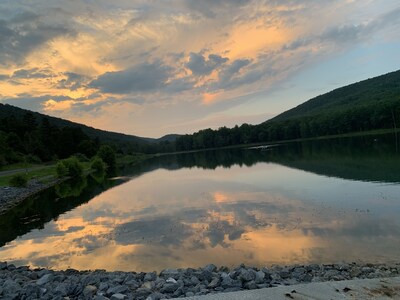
(118, 297)
(189, 294)
(251, 285)
(305, 278)
(118, 289)
(45, 279)
(260, 276)
(89, 291)
(174, 273)
(152, 276)
(214, 283)
(169, 288)
(10, 287)
(3, 265)
(210, 268)
(247, 275)
(149, 285)
(170, 280)
(355, 272)
(142, 293)
(61, 289)
(284, 274)
(103, 286)
(228, 282)
(156, 296)
(100, 297)
(194, 280)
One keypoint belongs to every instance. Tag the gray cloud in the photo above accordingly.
(146, 77)
(208, 8)
(4, 77)
(25, 33)
(31, 73)
(73, 81)
(200, 66)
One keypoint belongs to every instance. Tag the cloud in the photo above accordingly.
(73, 81)
(146, 77)
(24, 33)
(200, 66)
(33, 73)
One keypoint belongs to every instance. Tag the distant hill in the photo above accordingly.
(373, 91)
(7, 110)
(367, 105)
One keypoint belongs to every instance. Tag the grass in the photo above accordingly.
(44, 174)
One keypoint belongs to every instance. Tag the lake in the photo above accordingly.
(311, 202)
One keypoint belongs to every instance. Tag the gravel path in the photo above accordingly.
(25, 283)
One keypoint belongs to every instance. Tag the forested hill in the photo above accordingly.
(367, 105)
(373, 91)
(34, 137)
(7, 111)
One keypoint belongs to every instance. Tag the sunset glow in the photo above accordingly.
(181, 66)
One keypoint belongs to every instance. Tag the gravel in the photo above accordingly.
(26, 283)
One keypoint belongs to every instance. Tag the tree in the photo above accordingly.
(107, 154)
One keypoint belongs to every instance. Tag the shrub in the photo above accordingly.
(107, 154)
(70, 167)
(18, 180)
(98, 164)
(61, 169)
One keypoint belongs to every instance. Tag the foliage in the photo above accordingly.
(368, 105)
(107, 154)
(70, 167)
(98, 164)
(18, 180)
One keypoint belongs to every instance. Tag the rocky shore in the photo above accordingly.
(12, 196)
(25, 283)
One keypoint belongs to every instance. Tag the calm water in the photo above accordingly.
(326, 201)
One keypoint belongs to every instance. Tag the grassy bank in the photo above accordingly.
(47, 172)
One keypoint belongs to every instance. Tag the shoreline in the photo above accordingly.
(26, 283)
(12, 196)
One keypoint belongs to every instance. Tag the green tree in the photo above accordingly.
(107, 154)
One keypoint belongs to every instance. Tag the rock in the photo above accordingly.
(118, 297)
(170, 280)
(103, 286)
(189, 294)
(118, 289)
(156, 296)
(298, 272)
(61, 289)
(169, 287)
(260, 276)
(284, 274)
(247, 275)
(228, 282)
(152, 276)
(214, 283)
(174, 273)
(331, 273)
(305, 278)
(210, 268)
(45, 279)
(194, 280)
(142, 293)
(89, 291)
(149, 285)
(3, 265)
(355, 272)
(251, 285)
(10, 287)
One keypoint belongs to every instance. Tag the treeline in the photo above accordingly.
(27, 140)
(368, 105)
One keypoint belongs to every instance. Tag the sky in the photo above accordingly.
(151, 68)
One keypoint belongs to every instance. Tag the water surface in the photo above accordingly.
(325, 201)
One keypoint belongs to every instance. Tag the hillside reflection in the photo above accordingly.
(224, 207)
